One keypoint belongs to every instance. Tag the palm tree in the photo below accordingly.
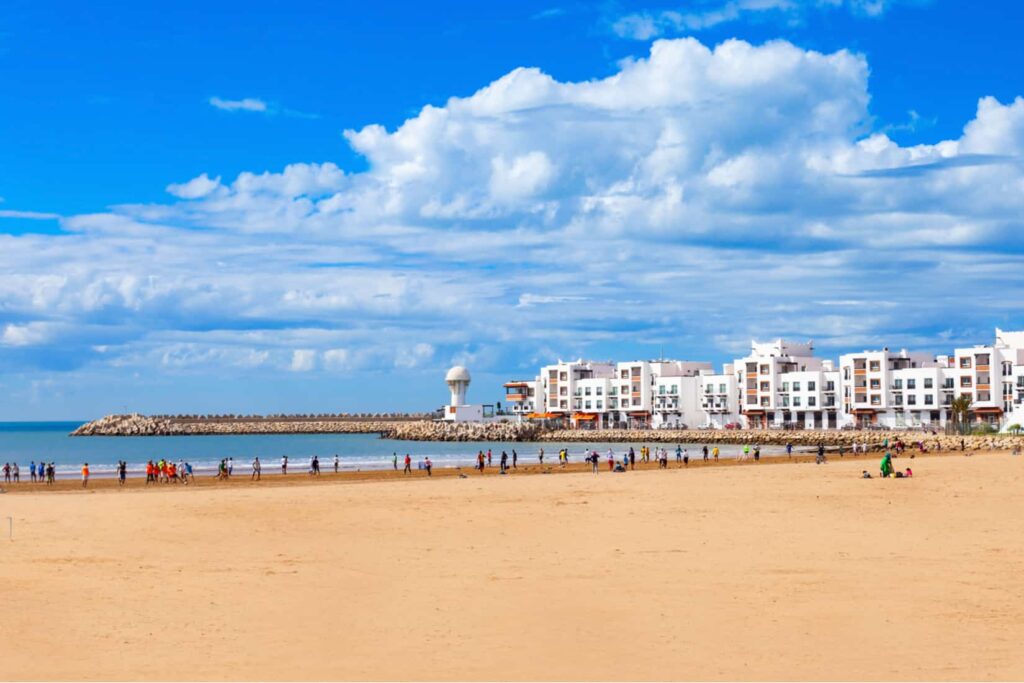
(961, 409)
(1014, 429)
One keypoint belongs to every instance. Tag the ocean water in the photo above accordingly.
(23, 442)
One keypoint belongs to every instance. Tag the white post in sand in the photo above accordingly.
(10, 528)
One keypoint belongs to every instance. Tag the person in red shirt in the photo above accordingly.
(408, 464)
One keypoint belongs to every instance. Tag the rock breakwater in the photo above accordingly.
(416, 428)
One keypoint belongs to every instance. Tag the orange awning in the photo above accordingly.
(584, 416)
(543, 416)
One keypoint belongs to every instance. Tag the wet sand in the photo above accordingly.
(741, 571)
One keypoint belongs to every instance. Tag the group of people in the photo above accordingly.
(166, 472)
(44, 472)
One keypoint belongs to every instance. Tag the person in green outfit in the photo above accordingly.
(886, 465)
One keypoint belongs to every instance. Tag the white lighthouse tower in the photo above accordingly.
(458, 380)
(458, 410)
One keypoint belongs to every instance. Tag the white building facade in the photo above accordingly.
(782, 384)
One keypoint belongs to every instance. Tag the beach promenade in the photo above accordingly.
(738, 571)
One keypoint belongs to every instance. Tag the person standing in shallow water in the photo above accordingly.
(284, 464)
(515, 458)
(394, 461)
(85, 475)
(429, 466)
(256, 469)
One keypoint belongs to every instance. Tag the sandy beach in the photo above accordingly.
(741, 571)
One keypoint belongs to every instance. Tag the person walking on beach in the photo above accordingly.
(429, 466)
(632, 459)
(540, 456)
(42, 471)
(284, 464)
(256, 467)
(188, 473)
(408, 465)
(15, 472)
(316, 465)
(679, 454)
(336, 463)
(611, 460)
(32, 470)
(789, 450)
(394, 461)
(757, 453)
(85, 475)
(122, 472)
(231, 466)
(686, 458)
(7, 472)
(714, 452)
(488, 457)
(515, 458)
(821, 454)
(480, 461)
(593, 461)
(504, 461)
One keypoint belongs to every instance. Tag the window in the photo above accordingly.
(811, 401)
(563, 391)
(624, 374)
(912, 400)
(810, 386)
(598, 390)
(587, 391)
(911, 384)
(929, 400)
(897, 400)
(721, 388)
(599, 405)
(947, 383)
(965, 381)
(562, 376)
(875, 366)
(587, 405)
(674, 389)
(764, 369)
(928, 382)
(830, 386)
(764, 401)
(661, 389)
(876, 400)
(796, 401)
(796, 386)
(785, 401)
(876, 383)
(897, 384)
(785, 386)
(765, 386)
(636, 388)
(965, 362)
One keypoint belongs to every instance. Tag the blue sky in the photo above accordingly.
(319, 206)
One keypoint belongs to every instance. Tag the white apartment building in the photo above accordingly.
(782, 384)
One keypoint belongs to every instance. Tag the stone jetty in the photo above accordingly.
(194, 425)
(418, 427)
